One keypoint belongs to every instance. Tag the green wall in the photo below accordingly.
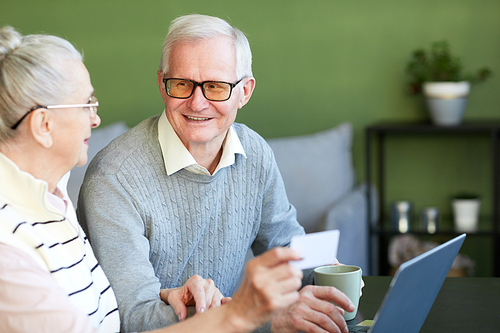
(317, 64)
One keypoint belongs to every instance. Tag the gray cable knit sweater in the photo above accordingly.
(152, 231)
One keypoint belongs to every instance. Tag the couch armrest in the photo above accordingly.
(349, 215)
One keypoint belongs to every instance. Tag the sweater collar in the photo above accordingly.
(23, 191)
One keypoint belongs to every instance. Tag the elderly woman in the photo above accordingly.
(50, 280)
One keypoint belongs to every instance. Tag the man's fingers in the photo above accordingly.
(176, 302)
(215, 299)
(362, 285)
(342, 311)
(321, 309)
(196, 286)
(204, 292)
(309, 319)
(314, 311)
(327, 316)
(332, 294)
(225, 300)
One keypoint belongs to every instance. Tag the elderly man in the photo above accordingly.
(189, 191)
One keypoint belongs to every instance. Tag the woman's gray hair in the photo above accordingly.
(32, 72)
(195, 27)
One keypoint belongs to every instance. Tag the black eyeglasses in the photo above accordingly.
(91, 105)
(217, 91)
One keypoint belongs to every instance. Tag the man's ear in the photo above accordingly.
(159, 77)
(42, 127)
(247, 91)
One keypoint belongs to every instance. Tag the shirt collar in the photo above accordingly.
(177, 157)
(58, 201)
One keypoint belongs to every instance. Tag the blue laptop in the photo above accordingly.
(413, 290)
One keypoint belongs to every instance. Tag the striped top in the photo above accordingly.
(56, 242)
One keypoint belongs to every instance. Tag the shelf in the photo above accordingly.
(489, 229)
(485, 228)
(426, 127)
(450, 232)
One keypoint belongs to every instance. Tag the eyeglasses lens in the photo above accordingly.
(213, 90)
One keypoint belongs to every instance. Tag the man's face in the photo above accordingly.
(196, 120)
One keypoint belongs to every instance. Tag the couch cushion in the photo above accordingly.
(317, 170)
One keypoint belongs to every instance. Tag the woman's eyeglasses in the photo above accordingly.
(91, 106)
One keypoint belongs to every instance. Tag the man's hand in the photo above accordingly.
(313, 312)
(196, 291)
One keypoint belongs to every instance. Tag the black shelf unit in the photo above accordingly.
(375, 136)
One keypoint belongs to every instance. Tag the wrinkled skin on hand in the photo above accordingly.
(198, 292)
(314, 312)
(270, 284)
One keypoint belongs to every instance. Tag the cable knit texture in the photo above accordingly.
(153, 231)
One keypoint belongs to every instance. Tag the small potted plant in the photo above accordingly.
(439, 76)
(466, 208)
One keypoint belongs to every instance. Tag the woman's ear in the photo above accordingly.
(42, 126)
(247, 91)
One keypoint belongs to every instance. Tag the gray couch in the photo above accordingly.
(320, 182)
(319, 179)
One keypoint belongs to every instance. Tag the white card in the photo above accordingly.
(318, 249)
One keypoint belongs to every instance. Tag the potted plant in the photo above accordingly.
(466, 208)
(439, 76)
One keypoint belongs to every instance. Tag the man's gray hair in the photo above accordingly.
(195, 27)
(32, 72)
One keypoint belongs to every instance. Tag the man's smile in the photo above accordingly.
(196, 118)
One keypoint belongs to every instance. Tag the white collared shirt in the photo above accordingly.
(177, 157)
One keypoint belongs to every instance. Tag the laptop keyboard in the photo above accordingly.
(354, 328)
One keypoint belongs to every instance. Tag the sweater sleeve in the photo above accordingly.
(117, 233)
